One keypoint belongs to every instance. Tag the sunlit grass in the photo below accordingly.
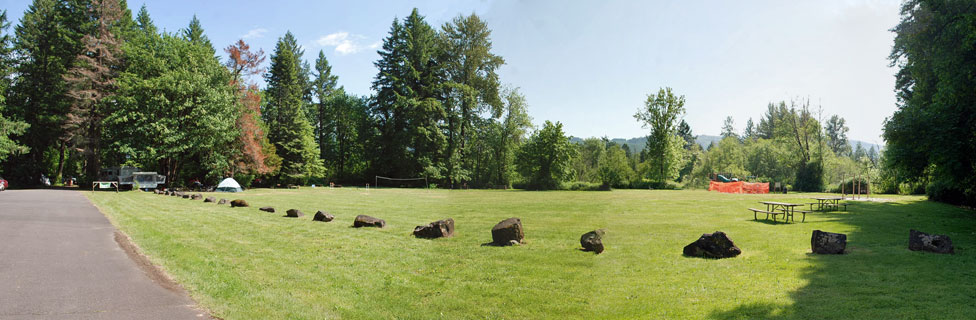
(242, 263)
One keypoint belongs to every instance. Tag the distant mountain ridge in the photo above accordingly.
(637, 144)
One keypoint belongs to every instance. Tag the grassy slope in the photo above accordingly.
(242, 263)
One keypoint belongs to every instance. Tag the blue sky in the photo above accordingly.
(590, 64)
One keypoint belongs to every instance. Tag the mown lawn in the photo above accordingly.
(242, 263)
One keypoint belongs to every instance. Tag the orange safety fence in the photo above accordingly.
(738, 187)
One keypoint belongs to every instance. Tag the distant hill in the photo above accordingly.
(637, 144)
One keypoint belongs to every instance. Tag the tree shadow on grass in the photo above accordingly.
(878, 277)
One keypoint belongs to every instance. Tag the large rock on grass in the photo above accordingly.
(437, 229)
(715, 245)
(185, 196)
(238, 203)
(507, 232)
(210, 199)
(222, 201)
(828, 242)
(323, 216)
(593, 241)
(367, 221)
(294, 213)
(196, 197)
(921, 241)
(267, 209)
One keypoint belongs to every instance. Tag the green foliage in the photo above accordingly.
(289, 129)
(176, 109)
(544, 160)
(614, 170)
(48, 40)
(836, 135)
(344, 150)
(661, 113)
(471, 87)
(406, 108)
(936, 60)
(728, 128)
(8, 127)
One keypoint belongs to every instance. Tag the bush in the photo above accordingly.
(244, 180)
(655, 185)
(584, 186)
(943, 191)
(849, 185)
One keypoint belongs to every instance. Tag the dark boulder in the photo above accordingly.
(437, 229)
(267, 209)
(238, 203)
(507, 232)
(921, 241)
(294, 213)
(222, 201)
(367, 221)
(712, 245)
(196, 197)
(593, 241)
(185, 196)
(210, 199)
(323, 216)
(828, 242)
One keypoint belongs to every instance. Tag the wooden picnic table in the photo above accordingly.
(826, 202)
(775, 208)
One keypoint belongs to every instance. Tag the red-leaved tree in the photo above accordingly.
(255, 154)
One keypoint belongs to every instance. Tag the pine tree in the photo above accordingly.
(289, 129)
(91, 81)
(194, 33)
(323, 88)
(48, 42)
(407, 107)
(8, 127)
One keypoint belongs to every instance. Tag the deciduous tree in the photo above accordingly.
(662, 113)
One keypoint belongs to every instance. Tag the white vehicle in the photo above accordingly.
(131, 176)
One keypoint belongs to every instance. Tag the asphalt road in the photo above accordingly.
(59, 260)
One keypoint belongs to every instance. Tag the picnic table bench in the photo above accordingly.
(780, 208)
(827, 203)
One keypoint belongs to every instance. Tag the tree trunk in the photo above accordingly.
(61, 148)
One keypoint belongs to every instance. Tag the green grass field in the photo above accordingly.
(242, 263)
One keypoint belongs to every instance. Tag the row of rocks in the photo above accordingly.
(505, 233)
(717, 245)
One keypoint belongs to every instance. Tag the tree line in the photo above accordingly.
(84, 86)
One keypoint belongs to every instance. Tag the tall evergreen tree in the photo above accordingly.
(289, 129)
(323, 87)
(407, 107)
(194, 33)
(90, 82)
(47, 43)
(472, 85)
(8, 127)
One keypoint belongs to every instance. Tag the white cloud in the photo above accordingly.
(346, 43)
(255, 33)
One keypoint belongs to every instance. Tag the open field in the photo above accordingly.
(242, 263)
